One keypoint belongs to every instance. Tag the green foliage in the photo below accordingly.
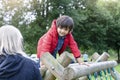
(31, 36)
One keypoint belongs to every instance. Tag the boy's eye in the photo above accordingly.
(60, 27)
(66, 29)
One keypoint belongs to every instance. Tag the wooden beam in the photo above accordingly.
(43, 71)
(115, 74)
(64, 59)
(49, 76)
(52, 64)
(97, 58)
(94, 57)
(103, 57)
(74, 71)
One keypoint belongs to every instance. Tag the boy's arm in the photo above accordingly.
(74, 47)
(79, 60)
(44, 45)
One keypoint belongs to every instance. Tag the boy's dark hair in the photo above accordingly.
(65, 22)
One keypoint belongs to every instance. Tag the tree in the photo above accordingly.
(97, 23)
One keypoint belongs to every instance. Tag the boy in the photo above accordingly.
(58, 37)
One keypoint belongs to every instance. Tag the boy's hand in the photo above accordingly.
(79, 60)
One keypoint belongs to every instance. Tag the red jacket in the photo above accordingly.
(48, 42)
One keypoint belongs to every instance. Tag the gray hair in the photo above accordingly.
(11, 40)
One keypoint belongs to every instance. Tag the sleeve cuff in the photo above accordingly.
(77, 57)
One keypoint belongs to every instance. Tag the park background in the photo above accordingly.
(97, 22)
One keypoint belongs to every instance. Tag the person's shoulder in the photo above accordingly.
(29, 60)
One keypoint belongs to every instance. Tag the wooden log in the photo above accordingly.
(74, 71)
(49, 76)
(103, 57)
(43, 71)
(98, 58)
(65, 59)
(115, 75)
(52, 64)
(95, 56)
(82, 78)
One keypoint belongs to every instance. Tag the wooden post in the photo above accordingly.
(95, 56)
(43, 71)
(49, 76)
(52, 64)
(115, 75)
(83, 78)
(103, 57)
(64, 59)
(74, 71)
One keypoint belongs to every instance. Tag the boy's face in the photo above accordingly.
(63, 31)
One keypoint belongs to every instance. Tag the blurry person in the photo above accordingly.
(14, 63)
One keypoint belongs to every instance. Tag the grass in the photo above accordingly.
(117, 68)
